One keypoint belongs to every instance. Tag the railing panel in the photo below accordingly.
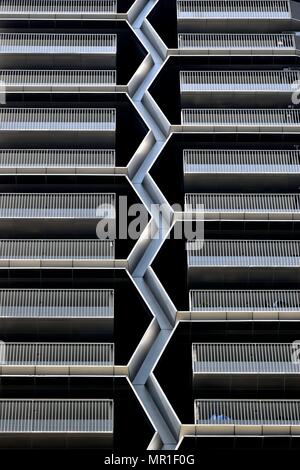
(56, 303)
(240, 358)
(58, 6)
(241, 161)
(37, 43)
(61, 416)
(243, 253)
(245, 300)
(57, 205)
(260, 203)
(58, 354)
(58, 77)
(240, 117)
(58, 119)
(204, 9)
(56, 249)
(238, 81)
(57, 158)
(248, 412)
(204, 41)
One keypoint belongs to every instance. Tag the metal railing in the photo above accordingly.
(239, 81)
(58, 119)
(203, 41)
(58, 354)
(205, 9)
(37, 43)
(57, 205)
(266, 358)
(248, 412)
(244, 253)
(56, 303)
(57, 158)
(240, 161)
(242, 203)
(58, 78)
(44, 415)
(244, 300)
(57, 249)
(58, 6)
(240, 117)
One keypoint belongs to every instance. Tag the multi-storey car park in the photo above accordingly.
(103, 99)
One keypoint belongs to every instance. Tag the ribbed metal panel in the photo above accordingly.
(37, 43)
(242, 203)
(198, 9)
(56, 303)
(69, 354)
(58, 6)
(248, 412)
(57, 205)
(238, 81)
(202, 41)
(57, 249)
(265, 358)
(58, 77)
(241, 161)
(57, 158)
(245, 300)
(58, 119)
(240, 117)
(244, 253)
(94, 416)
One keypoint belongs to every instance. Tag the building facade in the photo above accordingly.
(123, 333)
